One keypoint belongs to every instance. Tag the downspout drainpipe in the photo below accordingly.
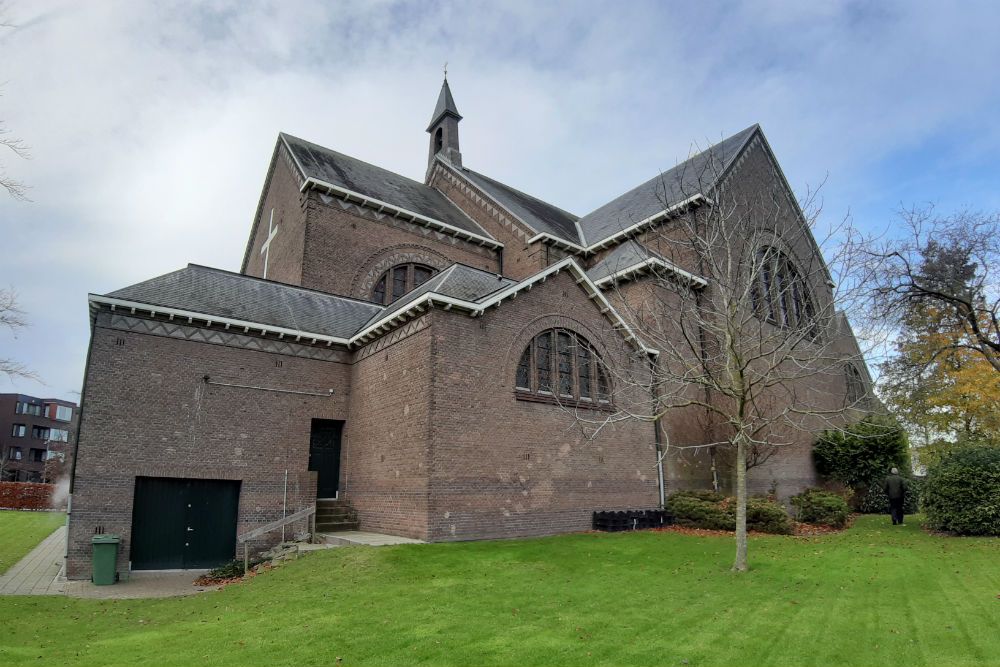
(284, 505)
(659, 459)
(658, 433)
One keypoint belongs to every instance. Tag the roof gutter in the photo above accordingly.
(476, 308)
(691, 279)
(378, 204)
(230, 323)
(694, 200)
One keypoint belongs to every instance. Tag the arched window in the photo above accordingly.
(561, 366)
(855, 395)
(438, 140)
(399, 280)
(780, 294)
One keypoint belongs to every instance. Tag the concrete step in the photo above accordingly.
(322, 512)
(332, 526)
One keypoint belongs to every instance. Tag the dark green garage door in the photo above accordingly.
(183, 523)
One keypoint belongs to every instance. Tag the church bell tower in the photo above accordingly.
(444, 128)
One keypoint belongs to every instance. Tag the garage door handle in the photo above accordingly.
(190, 529)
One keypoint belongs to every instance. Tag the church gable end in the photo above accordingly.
(433, 352)
(277, 241)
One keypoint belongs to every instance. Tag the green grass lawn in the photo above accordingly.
(874, 595)
(20, 532)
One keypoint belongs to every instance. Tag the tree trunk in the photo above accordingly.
(740, 564)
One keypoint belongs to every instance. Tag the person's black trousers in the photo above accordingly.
(896, 510)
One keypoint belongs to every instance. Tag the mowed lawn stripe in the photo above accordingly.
(640, 598)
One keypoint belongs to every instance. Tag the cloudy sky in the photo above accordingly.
(151, 124)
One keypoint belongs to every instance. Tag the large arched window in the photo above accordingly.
(855, 396)
(561, 366)
(399, 280)
(780, 294)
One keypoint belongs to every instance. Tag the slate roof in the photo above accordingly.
(209, 291)
(457, 281)
(631, 254)
(445, 106)
(538, 215)
(695, 175)
(624, 256)
(366, 179)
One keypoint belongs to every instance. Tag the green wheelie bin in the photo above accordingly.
(105, 557)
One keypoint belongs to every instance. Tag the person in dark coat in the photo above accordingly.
(895, 488)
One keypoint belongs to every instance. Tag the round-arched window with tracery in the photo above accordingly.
(399, 280)
(560, 365)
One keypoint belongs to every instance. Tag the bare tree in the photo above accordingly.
(949, 264)
(12, 317)
(730, 289)
(14, 187)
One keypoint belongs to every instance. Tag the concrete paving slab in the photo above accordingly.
(361, 537)
(38, 572)
(143, 584)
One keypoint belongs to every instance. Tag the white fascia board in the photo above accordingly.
(371, 202)
(555, 240)
(476, 308)
(448, 165)
(426, 301)
(665, 213)
(628, 231)
(133, 306)
(669, 266)
(584, 281)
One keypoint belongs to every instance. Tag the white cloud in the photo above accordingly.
(152, 123)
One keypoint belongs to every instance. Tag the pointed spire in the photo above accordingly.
(444, 129)
(445, 106)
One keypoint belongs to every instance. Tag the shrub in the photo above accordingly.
(862, 453)
(700, 509)
(713, 511)
(766, 516)
(821, 507)
(961, 493)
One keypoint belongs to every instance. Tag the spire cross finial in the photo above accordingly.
(446, 69)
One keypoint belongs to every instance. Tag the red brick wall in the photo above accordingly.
(503, 467)
(346, 245)
(387, 450)
(284, 261)
(520, 259)
(149, 412)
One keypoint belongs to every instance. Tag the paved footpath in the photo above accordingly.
(38, 572)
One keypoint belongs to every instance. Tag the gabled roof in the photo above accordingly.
(631, 259)
(445, 106)
(458, 281)
(538, 215)
(232, 297)
(695, 176)
(428, 296)
(355, 176)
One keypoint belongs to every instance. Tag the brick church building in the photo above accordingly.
(424, 352)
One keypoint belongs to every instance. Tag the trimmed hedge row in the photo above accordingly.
(26, 496)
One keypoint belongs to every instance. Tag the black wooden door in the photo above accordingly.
(183, 523)
(324, 455)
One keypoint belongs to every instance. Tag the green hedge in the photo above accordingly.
(962, 491)
(821, 507)
(713, 511)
